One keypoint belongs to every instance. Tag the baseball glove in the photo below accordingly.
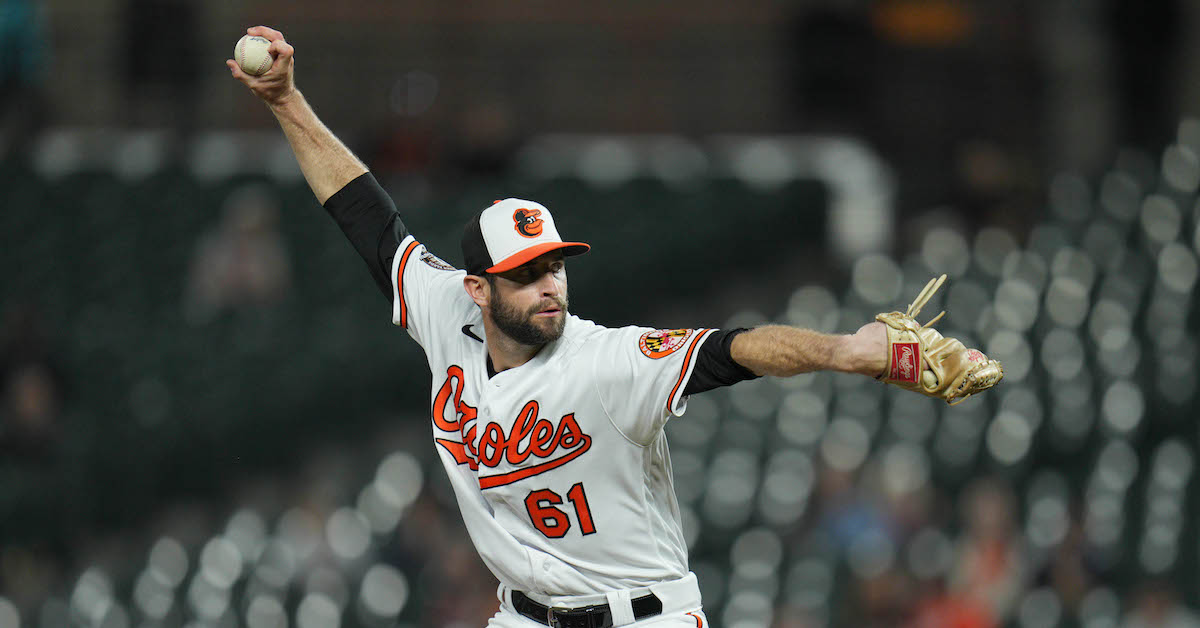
(920, 359)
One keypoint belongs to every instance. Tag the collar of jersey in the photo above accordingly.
(548, 353)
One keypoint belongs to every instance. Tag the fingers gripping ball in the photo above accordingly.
(253, 55)
(922, 360)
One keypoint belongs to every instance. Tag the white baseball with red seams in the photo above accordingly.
(560, 465)
(253, 55)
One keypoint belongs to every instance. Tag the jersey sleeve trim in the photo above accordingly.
(689, 362)
(399, 307)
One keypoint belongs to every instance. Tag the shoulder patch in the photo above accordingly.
(435, 261)
(663, 342)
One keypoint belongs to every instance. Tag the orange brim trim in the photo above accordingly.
(525, 255)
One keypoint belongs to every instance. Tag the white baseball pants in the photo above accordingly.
(680, 600)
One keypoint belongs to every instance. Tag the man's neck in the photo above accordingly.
(505, 352)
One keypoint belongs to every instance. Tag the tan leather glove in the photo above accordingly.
(922, 360)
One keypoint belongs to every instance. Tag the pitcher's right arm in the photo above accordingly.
(326, 162)
(339, 180)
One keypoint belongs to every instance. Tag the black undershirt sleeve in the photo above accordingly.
(715, 366)
(370, 221)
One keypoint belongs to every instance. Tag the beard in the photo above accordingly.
(521, 327)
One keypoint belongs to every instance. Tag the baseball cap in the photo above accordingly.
(509, 233)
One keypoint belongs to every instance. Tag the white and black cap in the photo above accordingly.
(510, 233)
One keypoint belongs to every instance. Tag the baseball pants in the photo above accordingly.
(680, 601)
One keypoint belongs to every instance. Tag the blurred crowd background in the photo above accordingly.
(206, 418)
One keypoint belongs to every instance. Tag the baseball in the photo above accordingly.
(252, 55)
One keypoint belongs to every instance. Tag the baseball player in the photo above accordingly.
(549, 426)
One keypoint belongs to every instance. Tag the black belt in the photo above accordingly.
(597, 616)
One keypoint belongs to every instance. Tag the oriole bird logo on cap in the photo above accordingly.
(527, 222)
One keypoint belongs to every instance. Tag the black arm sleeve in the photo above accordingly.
(715, 366)
(370, 221)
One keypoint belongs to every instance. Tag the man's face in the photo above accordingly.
(529, 302)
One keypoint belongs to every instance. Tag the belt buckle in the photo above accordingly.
(587, 616)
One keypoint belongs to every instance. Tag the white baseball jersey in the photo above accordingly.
(560, 466)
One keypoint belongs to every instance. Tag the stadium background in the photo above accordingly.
(208, 421)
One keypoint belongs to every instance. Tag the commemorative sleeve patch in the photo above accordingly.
(663, 342)
(435, 261)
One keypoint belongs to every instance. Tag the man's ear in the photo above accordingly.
(477, 288)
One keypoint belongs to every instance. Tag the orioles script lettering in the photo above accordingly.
(530, 435)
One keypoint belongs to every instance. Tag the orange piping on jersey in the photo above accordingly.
(699, 624)
(400, 283)
(687, 360)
